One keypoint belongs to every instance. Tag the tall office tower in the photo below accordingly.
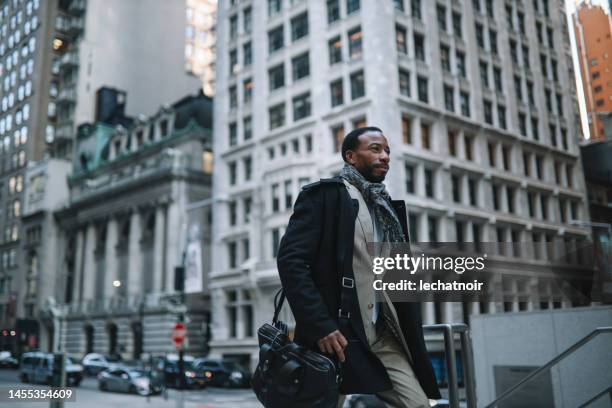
(593, 28)
(54, 55)
(200, 42)
(475, 97)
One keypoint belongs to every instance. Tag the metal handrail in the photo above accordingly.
(552, 362)
(596, 397)
(449, 331)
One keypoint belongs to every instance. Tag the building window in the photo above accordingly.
(456, 187)
(248, 167)
(355, 44)
(449, 98)
(301, 106)
(460, 57)
(484, 73)
(510, 199)
(233, 97)
(534, 129)
(247, 54)
(352, 6)
(233, 134)
(288, 194)
(275, 197)
(468, 143)
(275, 39)
(337, 93)
(501, 116)
(496, 196)
(479, 35)
(493, 41)
(233, 61)
(415, 9)
(457, 31)
(473, 191)
(247, 88)
(488, 112)
(425, 138)
(400, 39)
(464, 102)
(232, 213)
(247, 129)
(335, 50)
(357, 85)
(299, 26)
(441, 14)
(274, 7)
(337, 137)
(404, 82)
(445, 57)
(233, 27)
(301, 66)
(333, 11)
(232, 173)
(497, 78)
(277, 116)
(419, 47)
(432, 228)
(452, 143)
(422, 89)
(406, 134)
(247, 20)
(518, 88)
(276, 77)
(429, 183)
(410, 178)
(232, 258)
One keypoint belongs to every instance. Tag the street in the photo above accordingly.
(88, 395)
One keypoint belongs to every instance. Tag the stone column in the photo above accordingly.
(78, 267)
(158, 248)
(111, 257)
(89, 271)
(134, 278)
(173, 243)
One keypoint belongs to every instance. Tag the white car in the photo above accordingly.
(95, 363)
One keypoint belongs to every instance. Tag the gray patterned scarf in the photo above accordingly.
(377, 198)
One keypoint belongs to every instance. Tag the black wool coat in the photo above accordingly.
(315, 251)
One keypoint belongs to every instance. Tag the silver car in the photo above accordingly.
(127, 380)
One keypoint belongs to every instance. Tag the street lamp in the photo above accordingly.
(116, 283)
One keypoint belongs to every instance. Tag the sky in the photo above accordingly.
(570, 6)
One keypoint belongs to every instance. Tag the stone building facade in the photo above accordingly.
(124, 230)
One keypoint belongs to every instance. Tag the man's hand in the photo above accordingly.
(333, 343)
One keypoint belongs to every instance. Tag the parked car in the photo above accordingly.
(194, 377)
(371, 401)
(37, 367)
(124, 379)
(224, 373)
(7, 360)
(95, 363)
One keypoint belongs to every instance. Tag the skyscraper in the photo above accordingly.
(593, 28)
(482, 123)
(54, 55)
(200, 41)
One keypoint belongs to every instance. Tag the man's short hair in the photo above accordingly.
(351, 141)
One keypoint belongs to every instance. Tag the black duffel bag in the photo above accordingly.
(289, 375)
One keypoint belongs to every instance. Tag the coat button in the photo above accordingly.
(370, 306)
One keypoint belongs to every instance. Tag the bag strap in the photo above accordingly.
(279, 299)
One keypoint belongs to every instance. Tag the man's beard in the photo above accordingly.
(368, 174)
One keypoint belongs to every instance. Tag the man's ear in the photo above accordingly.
(350, 157)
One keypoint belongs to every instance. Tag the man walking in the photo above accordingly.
(326, 273)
